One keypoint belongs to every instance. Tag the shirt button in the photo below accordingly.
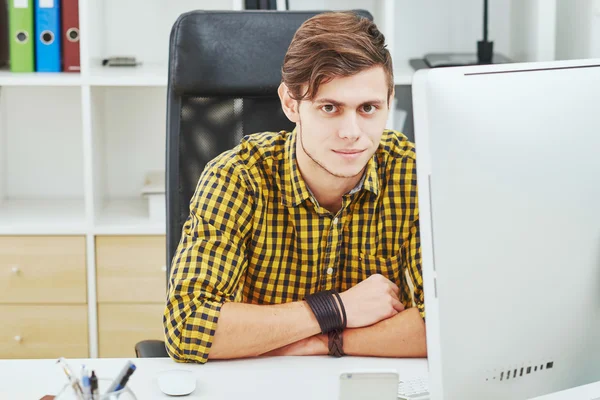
(329, 271)
(335, 220)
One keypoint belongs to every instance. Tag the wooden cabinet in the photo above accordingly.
(43, 331)
(131, 269)
(44, 301)
(42, 269)
(131, 288)
(121, 326)
(43, 297)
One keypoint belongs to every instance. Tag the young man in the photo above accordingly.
(307, 242)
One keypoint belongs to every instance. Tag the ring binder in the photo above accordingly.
(21, 48)
(70, 35)
(47, 26)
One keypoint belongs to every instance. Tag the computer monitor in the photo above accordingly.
(508, 164)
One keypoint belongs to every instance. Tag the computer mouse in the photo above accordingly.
(176, 382)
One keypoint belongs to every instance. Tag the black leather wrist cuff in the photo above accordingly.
(330, 315)
(336, 343)
(341, 307)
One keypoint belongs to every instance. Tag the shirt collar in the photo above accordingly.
(371, 180)
(294, 189)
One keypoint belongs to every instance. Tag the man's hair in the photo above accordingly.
(331, 45)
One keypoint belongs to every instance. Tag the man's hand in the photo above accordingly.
(372, 300)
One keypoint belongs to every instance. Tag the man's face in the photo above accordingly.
(341, 127)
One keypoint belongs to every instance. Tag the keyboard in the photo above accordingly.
(413, 389)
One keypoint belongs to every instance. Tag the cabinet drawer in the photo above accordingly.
(121, 326)
(42, 269)
(51, 331)
(131, 269)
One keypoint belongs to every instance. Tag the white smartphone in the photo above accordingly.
(369, 385)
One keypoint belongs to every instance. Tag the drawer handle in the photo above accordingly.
(15, 269)
(18, 339)
(163, 268)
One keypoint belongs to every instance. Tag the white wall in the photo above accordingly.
(375, 7)
(427, 26)
(134, 127)
(595, 31)
(147, 38)
(578, 29)
(43, 143)
(533, 30)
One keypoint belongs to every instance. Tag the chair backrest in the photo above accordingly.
(224, 70)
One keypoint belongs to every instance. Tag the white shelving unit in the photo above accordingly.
(41, 164)
(74, 148)
(123, 151)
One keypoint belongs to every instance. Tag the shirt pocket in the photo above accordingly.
(390, 267)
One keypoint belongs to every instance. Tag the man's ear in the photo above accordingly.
(289, 105)
(391, 98)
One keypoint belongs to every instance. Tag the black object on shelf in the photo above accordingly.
(484, 55)
(485, 49)
(120, 61)
(436, 60)
(260, 5)
(4, 33)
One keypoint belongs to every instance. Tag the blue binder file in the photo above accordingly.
(48, 36)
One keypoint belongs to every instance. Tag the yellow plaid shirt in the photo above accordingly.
(255, 234)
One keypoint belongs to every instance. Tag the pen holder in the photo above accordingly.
(68, 392)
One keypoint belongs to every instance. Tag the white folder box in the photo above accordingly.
(154, 191)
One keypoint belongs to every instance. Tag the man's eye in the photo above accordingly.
(369, 109)
(329, 108)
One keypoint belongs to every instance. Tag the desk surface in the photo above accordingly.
(298, 378)
(260, 378)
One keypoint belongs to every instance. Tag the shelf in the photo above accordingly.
(67, 217)
(42, 217)
(8, 78)
(149, 75)
(127, 217)
(142, 75)
(157, 75)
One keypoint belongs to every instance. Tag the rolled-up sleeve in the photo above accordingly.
(209, 263)
(413, 269)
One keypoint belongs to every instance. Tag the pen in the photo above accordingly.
(72, 379)
(87, 391)
(85, 382)
(121, 379)
(94, 385)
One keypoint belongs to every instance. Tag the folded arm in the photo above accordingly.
(247, 330)
(203, 318)
(402, 335)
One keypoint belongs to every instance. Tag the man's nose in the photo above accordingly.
(349, 128)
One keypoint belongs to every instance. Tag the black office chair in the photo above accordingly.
(224, 70)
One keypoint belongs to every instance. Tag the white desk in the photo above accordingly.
(281, 378)
(278, 378)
